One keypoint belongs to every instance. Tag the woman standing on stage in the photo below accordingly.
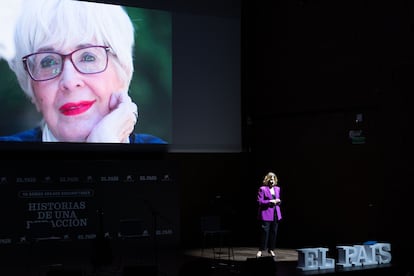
(269, 213)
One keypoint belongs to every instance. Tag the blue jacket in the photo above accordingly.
(35, 135)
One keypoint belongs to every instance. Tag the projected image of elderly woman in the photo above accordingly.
(74, 62)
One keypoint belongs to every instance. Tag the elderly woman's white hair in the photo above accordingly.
(64, 23)
(9, 12)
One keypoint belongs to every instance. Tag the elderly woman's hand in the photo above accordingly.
(119, 123)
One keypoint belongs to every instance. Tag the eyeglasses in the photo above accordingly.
(48, 65)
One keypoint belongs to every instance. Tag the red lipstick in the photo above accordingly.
(71, 109)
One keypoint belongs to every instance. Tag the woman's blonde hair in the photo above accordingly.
(269, 176)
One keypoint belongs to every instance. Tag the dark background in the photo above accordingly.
(307, 69)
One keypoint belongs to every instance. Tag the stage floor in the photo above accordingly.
(240, 254)
(242, 261)
(168, 262)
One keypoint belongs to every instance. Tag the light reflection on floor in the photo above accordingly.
(241, 253)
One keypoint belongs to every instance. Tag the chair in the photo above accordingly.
(65, 272)
(141, 270)
(130, 229)
(41, 241)
(215, 237)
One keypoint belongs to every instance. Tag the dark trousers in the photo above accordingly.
(268, 234)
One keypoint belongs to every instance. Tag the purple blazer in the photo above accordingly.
(266, 209)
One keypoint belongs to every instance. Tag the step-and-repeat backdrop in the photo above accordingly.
(83, 200)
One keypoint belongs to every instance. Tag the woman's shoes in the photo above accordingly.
(271, 252)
